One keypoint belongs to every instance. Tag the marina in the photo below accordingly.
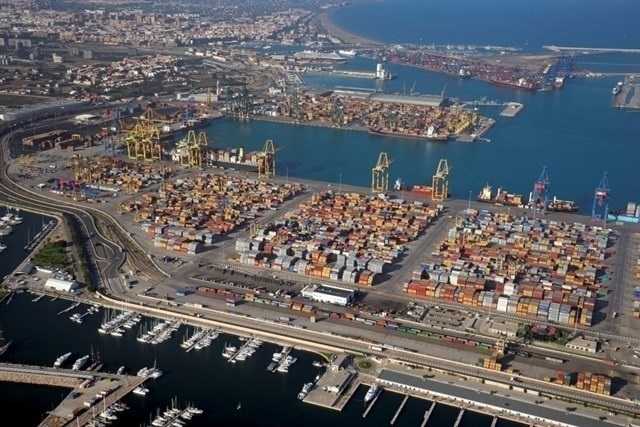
(201, 363)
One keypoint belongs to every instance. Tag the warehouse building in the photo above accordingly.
(329, 294)
(61, 285)
(582, 344)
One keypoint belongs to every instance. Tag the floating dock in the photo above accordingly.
(399, 411)
(428, 413)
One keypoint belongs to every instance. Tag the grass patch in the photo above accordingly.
(53, 256)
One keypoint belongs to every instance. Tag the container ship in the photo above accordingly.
(501, 197)
(557, 205)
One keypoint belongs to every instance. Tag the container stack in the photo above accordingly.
(534, 268)
(595, 383)
(187, 213)
(491, 363)
(348, 237)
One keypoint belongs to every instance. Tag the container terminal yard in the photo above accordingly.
(512, 305)
(527, 297)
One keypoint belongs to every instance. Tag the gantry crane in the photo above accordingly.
(143, 141)
(267, 160)
(192, 149)
(540, 195)
(600, 208)
(380, 174)
(440, 181)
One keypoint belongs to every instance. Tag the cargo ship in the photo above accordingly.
(557, 205)
(501, 197)
(423, 190)
(432, 136)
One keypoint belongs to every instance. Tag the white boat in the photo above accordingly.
(305, 390)
(140, 391)
(348, 53)
(79, 363)
(2, 247)
(61, 359)
(371, 393)
(120, 370)
(154, 373)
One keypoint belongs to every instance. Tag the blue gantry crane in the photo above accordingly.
(600, 209)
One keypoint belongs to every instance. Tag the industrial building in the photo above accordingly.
(62, 285)
(582, 344)
(329, 294)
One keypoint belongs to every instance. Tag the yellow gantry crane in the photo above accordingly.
(143, 140)
(267, 160)
(192, 149)
(380, 174)
(440, 183)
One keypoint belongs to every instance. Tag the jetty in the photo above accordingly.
(81, 405)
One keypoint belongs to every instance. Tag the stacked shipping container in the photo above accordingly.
(533, 268)
(339, 236)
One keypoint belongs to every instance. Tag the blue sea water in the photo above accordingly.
(520, 23)
(574, 132)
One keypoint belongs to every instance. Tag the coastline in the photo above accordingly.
(347, 37)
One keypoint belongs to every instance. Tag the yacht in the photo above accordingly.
(305, 390)
(15, 219)
(371, 393)
(140, 391)
(61, 359)
(78, 364)
(154, 373)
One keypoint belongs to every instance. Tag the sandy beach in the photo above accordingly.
(344, 35)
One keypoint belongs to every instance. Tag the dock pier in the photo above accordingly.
(427, 414)
(373, 402)
(400, 408)
(460, 414)
(84, 385)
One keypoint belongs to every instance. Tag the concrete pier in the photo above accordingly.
(85, 385)
(400, 408)
(460, 414)
(427, 414)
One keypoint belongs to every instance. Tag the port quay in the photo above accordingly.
(405, 353)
